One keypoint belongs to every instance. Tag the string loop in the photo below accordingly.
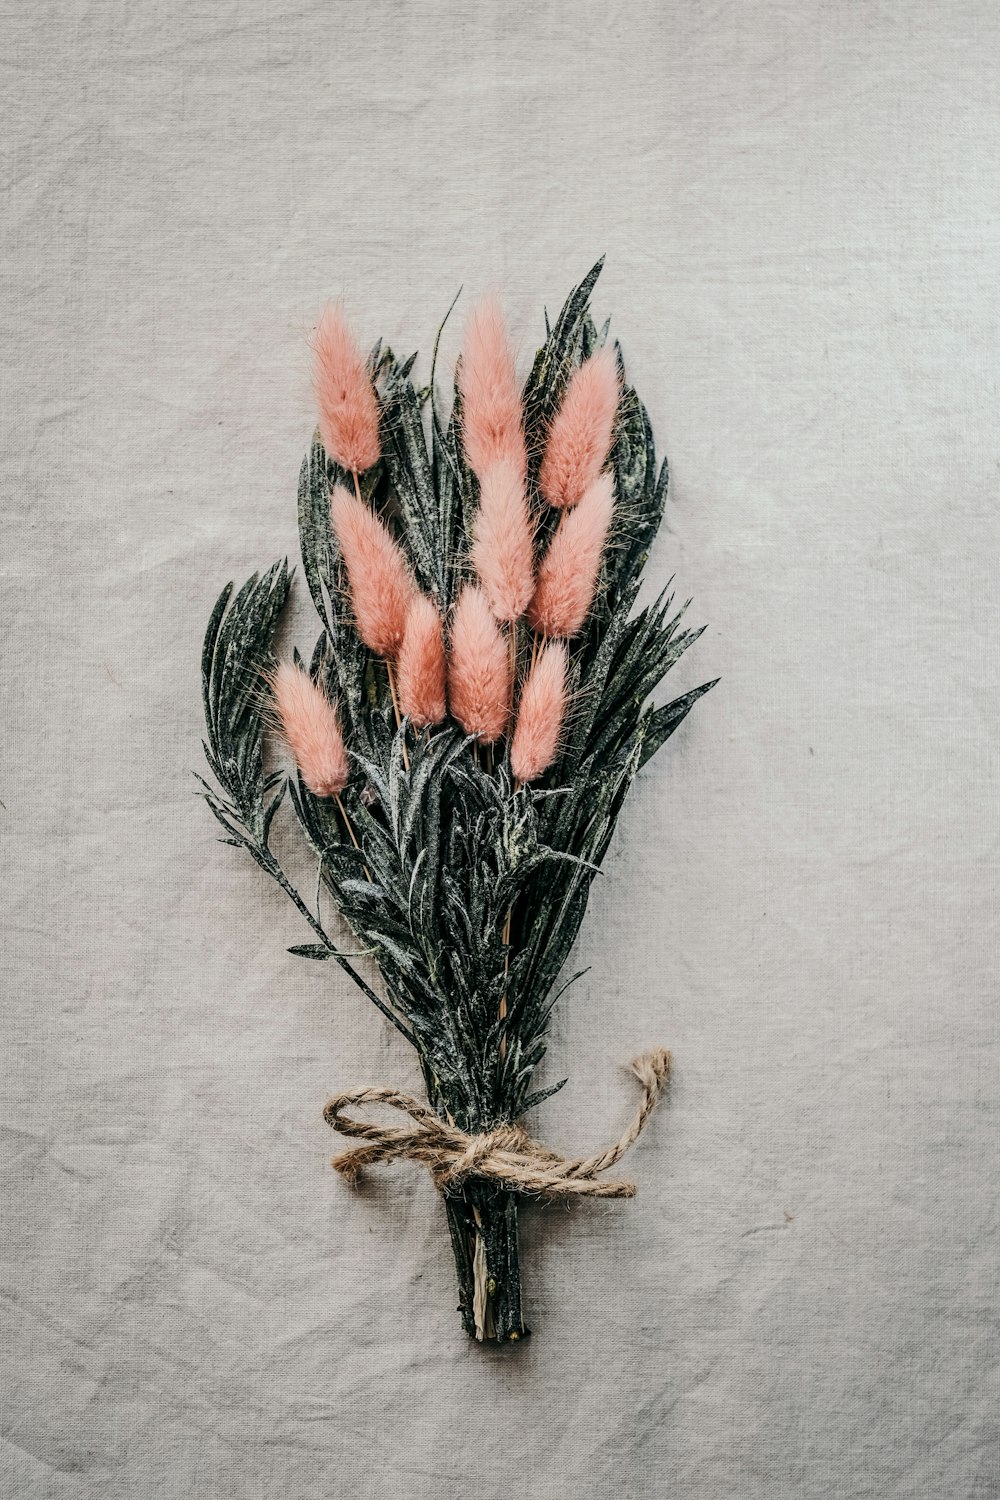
(507, 1154)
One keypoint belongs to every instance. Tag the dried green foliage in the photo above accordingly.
(467, 891)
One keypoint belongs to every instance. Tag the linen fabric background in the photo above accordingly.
(799, 204)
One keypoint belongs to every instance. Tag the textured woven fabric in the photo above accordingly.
(800, 207)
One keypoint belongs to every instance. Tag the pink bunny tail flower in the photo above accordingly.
(568, 571)
(492, 420)
(380, 578)
(381, 583)
(422, 664)
(479, 682)
(345, 397)
(311, 730)
(540, 714)
(579, 439)
(504, 546)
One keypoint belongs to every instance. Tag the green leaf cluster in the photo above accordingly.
(466, 890)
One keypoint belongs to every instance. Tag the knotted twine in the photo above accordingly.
(507, 1154)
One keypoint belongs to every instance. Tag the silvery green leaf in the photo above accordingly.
(467, 891)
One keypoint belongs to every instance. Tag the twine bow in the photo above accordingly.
(506, 1154)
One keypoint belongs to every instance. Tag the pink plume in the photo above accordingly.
(568, 571)
(479, 670)
(492, 420)
(540, 714)
(348, 411)
(579, 439)
(503, 549)
(422, 664)
(311, 729)
(381, 583)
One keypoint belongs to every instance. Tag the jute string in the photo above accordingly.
(506, 1155)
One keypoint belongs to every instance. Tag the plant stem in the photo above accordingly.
(388, 663)
(267, 862)
(502, 1012)
(350, 829)
(347, 824)
(483, 1224)
(395, 707)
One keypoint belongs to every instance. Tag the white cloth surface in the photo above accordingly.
(800, 208)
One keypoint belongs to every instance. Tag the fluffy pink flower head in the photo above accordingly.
(348, 411)
(503, 546)
(422, 664)
(540, 714)
(568, 571)
(491, 399)
(381, 583)
(579, 439)
(311, 730)
(479, 669)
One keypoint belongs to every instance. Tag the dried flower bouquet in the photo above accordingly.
(473, 714)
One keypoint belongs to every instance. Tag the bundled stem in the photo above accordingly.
(483, 1222)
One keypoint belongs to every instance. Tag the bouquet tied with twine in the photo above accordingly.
(464, 734)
